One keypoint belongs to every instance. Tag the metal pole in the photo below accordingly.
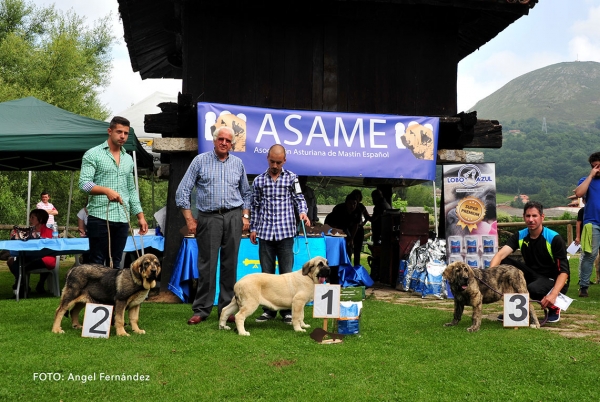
(66, 232)
(28, 200)
(435, 212)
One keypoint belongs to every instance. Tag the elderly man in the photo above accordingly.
(223, 201)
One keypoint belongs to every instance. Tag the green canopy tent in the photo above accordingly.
(35, 135)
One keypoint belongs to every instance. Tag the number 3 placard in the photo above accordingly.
(96, 322)
(516, 309)
(327, 301)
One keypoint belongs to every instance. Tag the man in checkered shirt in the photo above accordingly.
(276, 196)
(107, 176)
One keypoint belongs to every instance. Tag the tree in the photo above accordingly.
(54, 56)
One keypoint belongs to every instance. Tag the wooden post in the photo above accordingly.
(569, 234)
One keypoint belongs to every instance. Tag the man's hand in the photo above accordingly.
(548, 300)
(245, 224)
(113, 196)
(305, 219)
(143, 225)
(253, 238)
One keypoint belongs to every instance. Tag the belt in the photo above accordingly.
(220, 211)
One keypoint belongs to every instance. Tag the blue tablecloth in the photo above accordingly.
(185, 268)
(73, 245)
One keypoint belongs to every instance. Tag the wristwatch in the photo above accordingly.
(246, 216)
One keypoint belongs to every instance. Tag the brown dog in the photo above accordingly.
(292, 290)
(123, 288)
(475, 287)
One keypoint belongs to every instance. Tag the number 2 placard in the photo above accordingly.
(516, 309)
(96, 322)
(327, 301)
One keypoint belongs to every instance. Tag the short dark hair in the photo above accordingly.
(357, 194)
(533, 204)
(44, 193)
(595, 157)
(41, 215)
(351, 197)
(119, 120)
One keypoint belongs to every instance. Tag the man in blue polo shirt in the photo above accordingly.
(546, 267)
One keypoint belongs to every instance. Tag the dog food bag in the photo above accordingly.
(349, 321)
(402, 267)
(410, 267)
(433, 280)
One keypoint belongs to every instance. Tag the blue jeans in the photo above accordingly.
(283, 251)
(587, 259)
(98, 235)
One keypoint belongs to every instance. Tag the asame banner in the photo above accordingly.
(326, 143)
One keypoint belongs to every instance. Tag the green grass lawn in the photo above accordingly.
(403, 353)
(502, 198)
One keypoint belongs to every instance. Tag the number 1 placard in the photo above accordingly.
(327, 301)
(96, 322)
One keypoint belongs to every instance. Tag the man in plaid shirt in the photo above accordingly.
(107, 176)
(276, 195)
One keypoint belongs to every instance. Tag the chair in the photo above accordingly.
(53, 279)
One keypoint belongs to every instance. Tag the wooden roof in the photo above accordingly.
(152, 27)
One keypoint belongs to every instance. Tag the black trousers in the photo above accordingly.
(538, 285)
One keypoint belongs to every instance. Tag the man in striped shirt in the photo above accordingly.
(223, 201)
(107, 176)
(276, 195)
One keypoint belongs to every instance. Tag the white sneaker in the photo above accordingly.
(288, 319)
(264, 317)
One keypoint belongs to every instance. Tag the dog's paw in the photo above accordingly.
(244, 333)
(304, 325)
(299, 330)
(473, 329)
(449, 324)
(58, 331)
(77, 326)
(139, 331)
(536, 326)
(123, 333)
(224, 327)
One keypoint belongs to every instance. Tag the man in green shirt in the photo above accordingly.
(107, 176)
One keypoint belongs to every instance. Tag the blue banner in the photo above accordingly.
(327, 143)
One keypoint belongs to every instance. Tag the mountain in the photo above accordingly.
(567, 92)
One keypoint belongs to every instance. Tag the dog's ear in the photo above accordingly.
(135, 266)
(307, 267)
(447, 274)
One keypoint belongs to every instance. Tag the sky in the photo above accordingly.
(555, 31)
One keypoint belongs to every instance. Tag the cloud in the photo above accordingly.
(585, 45)
(485, 76)
(127, 88)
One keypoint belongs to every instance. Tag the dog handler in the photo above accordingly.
(276, 195)
(107, 176)
(222, 192)
(546, 267)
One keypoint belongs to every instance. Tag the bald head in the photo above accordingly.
(276, 159)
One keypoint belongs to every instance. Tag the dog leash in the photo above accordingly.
(500, 294)
(305, 238)
(108, 231)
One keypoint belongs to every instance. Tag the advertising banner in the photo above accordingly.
(326, 143)
(470, 212)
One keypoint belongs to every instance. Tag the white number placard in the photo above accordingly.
(96, 322)
(516, 309)
(327, 301)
